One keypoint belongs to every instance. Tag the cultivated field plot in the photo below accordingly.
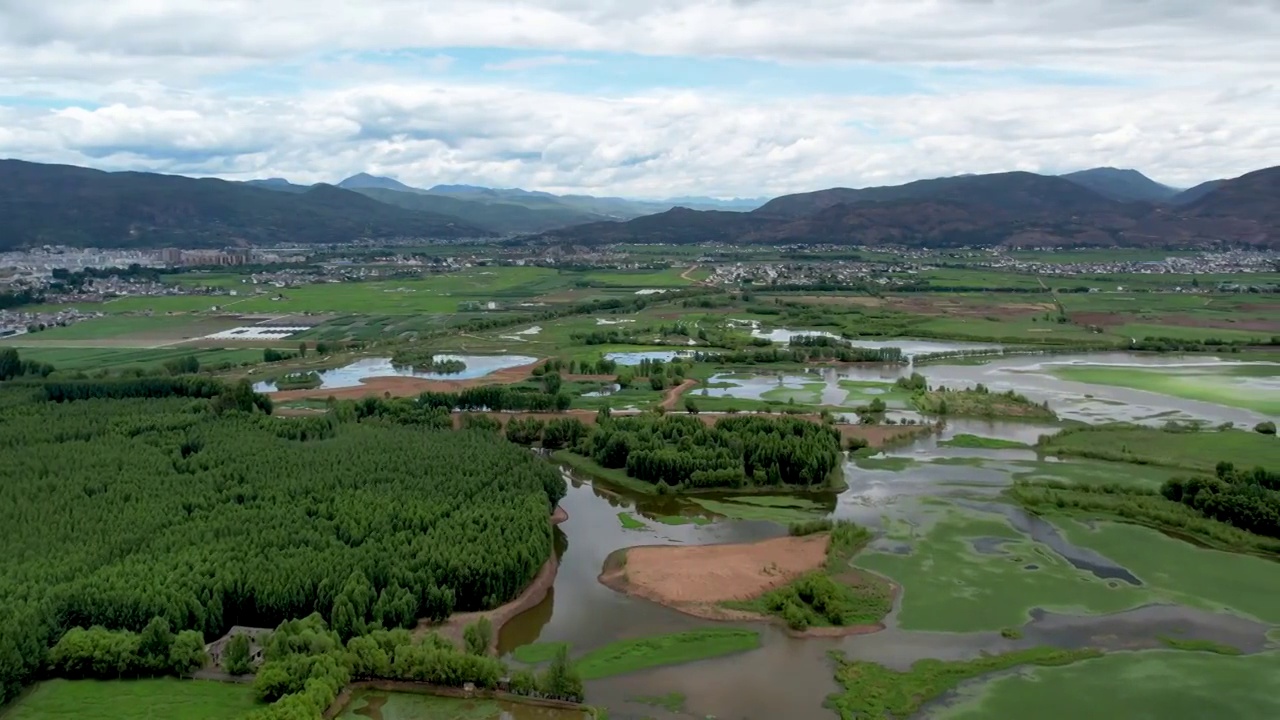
(130, 331)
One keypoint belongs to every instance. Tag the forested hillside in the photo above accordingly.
(115, 511)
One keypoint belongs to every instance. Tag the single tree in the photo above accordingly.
(477, 636)
(235, 658)
(187, 654)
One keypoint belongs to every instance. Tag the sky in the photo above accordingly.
(643, 98)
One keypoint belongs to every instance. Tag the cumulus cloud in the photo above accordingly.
(146, 85)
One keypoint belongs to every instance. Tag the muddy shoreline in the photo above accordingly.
(682, 567)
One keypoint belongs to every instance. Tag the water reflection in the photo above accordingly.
(478, 366)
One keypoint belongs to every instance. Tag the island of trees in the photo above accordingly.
(680, 452)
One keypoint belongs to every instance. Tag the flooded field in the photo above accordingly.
(1201, 388)
(478, 366)
(977, 575)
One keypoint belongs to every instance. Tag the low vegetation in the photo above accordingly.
(977, 441)
(627, 656)
(837, 596)
(629, 522)
(979, 402)
(874, 692)
(1199, 645)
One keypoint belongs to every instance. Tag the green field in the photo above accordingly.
(1233, 385)
(1193, 450)
(139, 330)
(627, 656)
(92, 359)
(166, 699)
(1153, 685)
(949, 586)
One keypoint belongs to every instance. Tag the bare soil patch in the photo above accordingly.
(695, 580)
(688, 577)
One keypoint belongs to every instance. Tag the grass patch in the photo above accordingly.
(629, 522)
(626, 656)
(538, 652)
(736, 509)
(874, 692)
(167, 698)
(965, 440)
(671, 702)
(889, 463)
(1199, 645)
(1011, 633)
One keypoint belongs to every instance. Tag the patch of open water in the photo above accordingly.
(478, 366)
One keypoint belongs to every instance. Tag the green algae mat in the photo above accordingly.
(950, 585)
(1153, 685)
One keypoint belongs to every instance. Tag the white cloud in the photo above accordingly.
(148, 88)
(533, 63)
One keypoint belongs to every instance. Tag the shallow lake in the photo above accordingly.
(634, 358)
(478, 366)
(1034, 376)
(586, 614)
(909, 346)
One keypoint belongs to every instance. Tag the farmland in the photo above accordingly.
(1003, 464)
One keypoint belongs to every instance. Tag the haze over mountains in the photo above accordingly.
(58, 204)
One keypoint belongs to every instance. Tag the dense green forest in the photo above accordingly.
(681, 452)
(207, 512)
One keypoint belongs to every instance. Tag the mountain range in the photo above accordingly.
(61, 204)
(1011, 209)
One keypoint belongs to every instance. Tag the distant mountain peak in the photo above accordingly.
(1122, 184)
(364, 180)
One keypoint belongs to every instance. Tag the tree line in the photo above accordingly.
(121, 507)
(13, 366)
(1246, 499)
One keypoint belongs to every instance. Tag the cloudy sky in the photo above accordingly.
(647, 98)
